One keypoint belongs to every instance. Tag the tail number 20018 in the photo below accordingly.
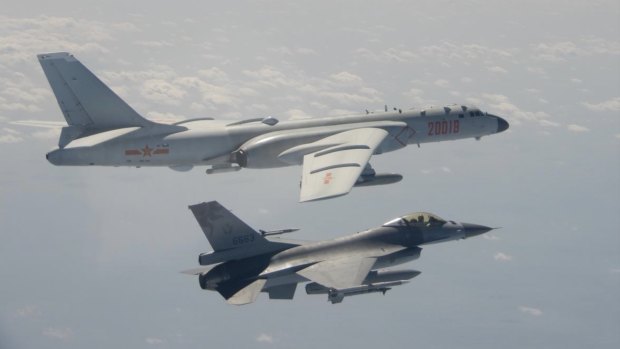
(444, 127)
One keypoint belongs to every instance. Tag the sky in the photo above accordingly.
(91, 257)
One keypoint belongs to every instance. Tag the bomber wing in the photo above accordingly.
(333, 171)
(339, 273)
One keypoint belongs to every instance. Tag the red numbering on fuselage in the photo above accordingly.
(443, 127)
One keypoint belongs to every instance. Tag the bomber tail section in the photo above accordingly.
(88, 105)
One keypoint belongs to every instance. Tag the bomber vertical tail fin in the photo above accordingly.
(88, 105)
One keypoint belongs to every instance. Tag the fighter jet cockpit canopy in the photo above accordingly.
(417, 218)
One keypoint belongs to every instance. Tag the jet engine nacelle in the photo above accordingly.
(211, 279)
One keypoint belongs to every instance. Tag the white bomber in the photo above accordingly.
(103, 130)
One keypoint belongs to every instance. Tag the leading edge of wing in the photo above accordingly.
(333, 171)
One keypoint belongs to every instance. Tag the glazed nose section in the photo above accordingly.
(502, 125)
(475, 229)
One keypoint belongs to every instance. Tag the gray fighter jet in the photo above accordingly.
(245, 262)
(103, 130)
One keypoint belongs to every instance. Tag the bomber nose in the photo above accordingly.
(502, 125)
(475, 229)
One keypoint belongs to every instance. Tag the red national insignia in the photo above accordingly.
(146, 151)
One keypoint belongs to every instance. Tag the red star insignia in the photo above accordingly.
(146, 151)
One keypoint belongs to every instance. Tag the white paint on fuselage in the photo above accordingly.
(209, 142)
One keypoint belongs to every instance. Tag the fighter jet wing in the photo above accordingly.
(239, 293)
(339, 273)
(334, 170)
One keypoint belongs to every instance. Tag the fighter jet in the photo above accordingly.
(245, 262)
(334, 152)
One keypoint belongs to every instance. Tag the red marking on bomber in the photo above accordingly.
(161, 151)
(328, 178)
(146, 151)
(132, 152)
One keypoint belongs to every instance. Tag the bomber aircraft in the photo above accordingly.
(245, 262)
(334, 152)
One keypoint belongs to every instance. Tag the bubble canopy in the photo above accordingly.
(416, 218)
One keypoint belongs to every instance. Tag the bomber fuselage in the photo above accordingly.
(259, 145)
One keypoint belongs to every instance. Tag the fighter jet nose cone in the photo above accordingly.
(502, 125)
(475, 229)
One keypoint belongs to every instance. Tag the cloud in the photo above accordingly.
(346, 77)
(498, 70)
(557, 51)
(297, 114)
(23, 38)
(577, 128)
(390, 55)
(166, 118)
(264, 338)
(530, 311)
(153, 340)
(563, 50)
(612, 104)
(442, 83)
(490, 237)
(50, 133)
(351, 98)
(269, 76)
(214, 74)
(502, 257)
(153, 44)
(59, 333)
(162, 92)
(212, 94)
(537, 70)
(28, 311)
(8, 135)
(463, 52)
(502, 105)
